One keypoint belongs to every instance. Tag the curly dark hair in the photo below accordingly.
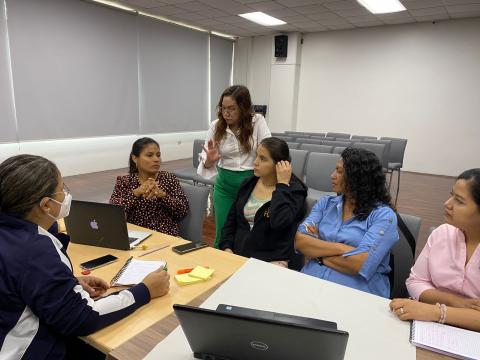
(364, 181)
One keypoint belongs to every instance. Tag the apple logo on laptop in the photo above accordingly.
(94, 224)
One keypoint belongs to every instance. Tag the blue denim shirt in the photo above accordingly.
(376, 235)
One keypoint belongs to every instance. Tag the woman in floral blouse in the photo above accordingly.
(151, 198)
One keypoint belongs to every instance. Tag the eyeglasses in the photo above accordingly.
(225, 110)
(65, 189)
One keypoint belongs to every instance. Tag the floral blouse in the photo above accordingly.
(159, 214)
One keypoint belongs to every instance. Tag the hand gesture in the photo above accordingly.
(153, 191)
(407, 309)
(212, 152)
(284, 172)
(157, 282)
(93, 285)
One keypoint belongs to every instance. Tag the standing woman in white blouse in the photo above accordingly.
(230, 149)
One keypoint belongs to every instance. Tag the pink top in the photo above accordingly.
(441, 265)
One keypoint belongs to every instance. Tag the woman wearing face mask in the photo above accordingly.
(230, 149)
(263, 219)
(42, 304)
(349, 236)
(151, 198)
(445, 279)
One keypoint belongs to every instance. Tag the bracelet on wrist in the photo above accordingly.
(443, 313)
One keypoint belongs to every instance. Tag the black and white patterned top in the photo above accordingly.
(162, 215)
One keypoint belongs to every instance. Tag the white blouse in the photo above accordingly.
(231, 158)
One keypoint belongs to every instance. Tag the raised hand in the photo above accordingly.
(284, 172)
(213, 155)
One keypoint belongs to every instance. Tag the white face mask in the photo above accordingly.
(65, 206)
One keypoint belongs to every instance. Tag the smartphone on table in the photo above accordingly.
(96, 263)
(185, 248)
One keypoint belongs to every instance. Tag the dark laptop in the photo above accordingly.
(99, 224)
(231, 334)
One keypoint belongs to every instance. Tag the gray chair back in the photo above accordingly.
(338, 135)
(293, 145)
(403, 258)
(191, 227)
(361, 137)
(197, 149)
(377, 149)
(299, 158)
(308, 141)
(322, 135)
(397, 150)
(338, 149)
(387, 147)
(336, 143)
(286, 138)
(317, 137)
(316, 148)
(279, 134)
(319, 167)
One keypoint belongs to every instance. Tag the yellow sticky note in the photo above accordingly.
(201, 273)
(184, 279)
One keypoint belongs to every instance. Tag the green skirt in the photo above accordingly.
(225, 191)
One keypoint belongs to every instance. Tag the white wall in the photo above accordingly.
(252, 67)
(417, 81)
(84, 155)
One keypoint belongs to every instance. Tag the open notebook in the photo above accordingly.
(445, 339)
(134, 271)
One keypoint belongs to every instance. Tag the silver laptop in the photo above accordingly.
(100, 224)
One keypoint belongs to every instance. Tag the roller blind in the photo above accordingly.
(221, 51)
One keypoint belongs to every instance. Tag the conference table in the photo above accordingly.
(160, 309)
(143, 332)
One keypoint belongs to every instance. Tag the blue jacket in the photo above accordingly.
(41, 301)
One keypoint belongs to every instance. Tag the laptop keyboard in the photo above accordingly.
(132, 239)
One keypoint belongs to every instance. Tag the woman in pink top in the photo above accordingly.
(446, 276)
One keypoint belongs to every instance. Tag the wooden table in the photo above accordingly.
(113, 336)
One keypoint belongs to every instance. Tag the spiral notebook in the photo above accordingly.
(134, 271)
(445, 339)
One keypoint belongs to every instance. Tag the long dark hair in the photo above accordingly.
(24, 181)
(279, 151)
(241, 95)
(473, 178)
(137, 148)
(364, 181)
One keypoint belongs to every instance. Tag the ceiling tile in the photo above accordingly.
(295, 19)
(461, 2)
(189, 16)
(421, 4)
(341, 26)
(428, 11)
(308, 24)
(342, 5)
(232, 19)
(208, 22)
(310, 9)
(212, 13)
(146, 4)
(458, 15)
(194, 6)
(364, 18)
(328, 22)
(166, 10)
(292, 3)
(323, 16)
(368, 23)
(431, 17)
(281, 12)
(265, 5)
(353, 12)
(463, 8)
(173, 2)
(394, 21)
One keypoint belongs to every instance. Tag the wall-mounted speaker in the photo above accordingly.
(281, 46)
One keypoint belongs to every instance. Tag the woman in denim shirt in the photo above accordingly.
(349, 237)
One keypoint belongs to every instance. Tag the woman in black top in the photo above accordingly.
(264, 217)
